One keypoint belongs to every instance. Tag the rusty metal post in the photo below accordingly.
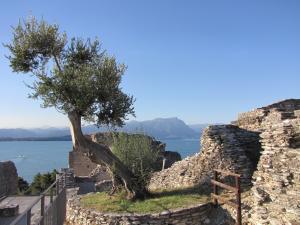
(51, 195)
(215, 187)
(238, 201)
(28, 217)
(57, 186)
(42, 209)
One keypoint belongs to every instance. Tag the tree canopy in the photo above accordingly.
(74, 75)
(80, 79)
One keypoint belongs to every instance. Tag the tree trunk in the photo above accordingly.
(99, 153)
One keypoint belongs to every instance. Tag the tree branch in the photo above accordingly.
(57, 63)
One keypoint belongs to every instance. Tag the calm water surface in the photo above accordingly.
(31, 157)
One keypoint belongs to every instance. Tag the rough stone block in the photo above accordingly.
(9, 210)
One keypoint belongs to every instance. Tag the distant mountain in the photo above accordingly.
(61, 138)
(34, 132)
(161, 128)
(16, 133)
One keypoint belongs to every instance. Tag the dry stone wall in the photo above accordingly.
(194, 215)
(223, 147)
(275, 194)
(274, 198)
(8, 178)
(276, 183)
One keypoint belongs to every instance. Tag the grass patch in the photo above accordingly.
(158, 203)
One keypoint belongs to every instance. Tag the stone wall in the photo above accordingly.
(276, 183)
(253, 120)
(8, 178)
(275, 194)
(275, 197)
(77, 215)
(224, 147)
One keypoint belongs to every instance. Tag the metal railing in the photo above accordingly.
(53, 213)
(237, 190)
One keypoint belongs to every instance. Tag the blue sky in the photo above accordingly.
(201, 61)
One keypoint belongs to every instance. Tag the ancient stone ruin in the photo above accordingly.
(276, 183)
(264, 146)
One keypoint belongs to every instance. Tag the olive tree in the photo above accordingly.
(79, 79)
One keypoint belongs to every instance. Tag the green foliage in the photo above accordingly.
(137, 153)
(22, 185)
(72, 76)
(34, 44)
(39, 184)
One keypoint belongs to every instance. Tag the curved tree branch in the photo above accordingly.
(57, 63)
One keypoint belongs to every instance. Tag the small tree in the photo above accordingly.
(36, 185)
(41, 182)
(79, 79)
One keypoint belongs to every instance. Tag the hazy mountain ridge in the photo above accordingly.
(160, 128)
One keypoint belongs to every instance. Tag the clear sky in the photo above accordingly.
(200, 61)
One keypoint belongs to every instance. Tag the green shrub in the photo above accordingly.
(22, 185)
(39, 184)
(137, 153)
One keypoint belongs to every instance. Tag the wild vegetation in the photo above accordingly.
(39, 184)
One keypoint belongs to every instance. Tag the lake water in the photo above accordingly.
(31, 157)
